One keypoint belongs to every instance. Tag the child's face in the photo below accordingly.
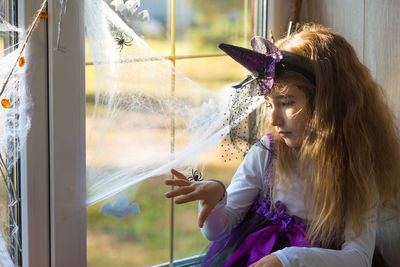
(288, 114)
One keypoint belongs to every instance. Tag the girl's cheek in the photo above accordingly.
(290, 113)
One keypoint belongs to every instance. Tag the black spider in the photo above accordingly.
(122, 40)
(195, 176)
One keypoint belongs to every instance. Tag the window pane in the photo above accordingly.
(10, 225)
(138, 240)
(210, 73)
(141, 239)
(155, 31)
(202, 25)
(188, 239)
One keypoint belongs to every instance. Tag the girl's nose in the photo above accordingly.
(276, 118)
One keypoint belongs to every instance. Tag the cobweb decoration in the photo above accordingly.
(62, 9)
(129, 10)
(14, 127)
(5, 258)
(15, 123)
(7, 27)
(136, 105)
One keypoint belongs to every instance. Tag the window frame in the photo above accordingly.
(53, 162)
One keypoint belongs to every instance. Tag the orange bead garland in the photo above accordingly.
(5, 103)
(21, 61)
(43, 15)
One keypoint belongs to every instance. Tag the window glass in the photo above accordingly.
(141, 239)
(211, 73)
(144, 239)
(138, 240)
(202, 25)
(10, 234)
(155, 30)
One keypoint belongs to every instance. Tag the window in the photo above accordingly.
(53, 211)
(10, 206)
(188, 34)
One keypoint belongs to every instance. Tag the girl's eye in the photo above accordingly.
(288, 103)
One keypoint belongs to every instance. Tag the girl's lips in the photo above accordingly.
(284, 133)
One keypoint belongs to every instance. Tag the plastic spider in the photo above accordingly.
(195, 176)
(122, 40)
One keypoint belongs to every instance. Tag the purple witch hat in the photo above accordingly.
(260, 61)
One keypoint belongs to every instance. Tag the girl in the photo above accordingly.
(311, 194)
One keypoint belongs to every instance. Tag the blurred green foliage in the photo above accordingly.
(216, 22)
(213, 23)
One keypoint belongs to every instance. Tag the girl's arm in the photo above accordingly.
(354, 252)
(245, 186)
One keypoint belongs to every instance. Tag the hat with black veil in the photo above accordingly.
(266, 64)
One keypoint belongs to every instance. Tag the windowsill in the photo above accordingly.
(186, 262)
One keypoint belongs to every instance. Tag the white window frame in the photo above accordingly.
(53, 163)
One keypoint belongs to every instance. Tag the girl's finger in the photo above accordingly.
(205, 211)
(177, 182)
(179, 191)
(186, 198)
(178, 174)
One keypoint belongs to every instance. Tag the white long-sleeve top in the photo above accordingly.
(248, 183)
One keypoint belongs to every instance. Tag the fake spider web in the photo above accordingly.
(133, 102)
(14, 124)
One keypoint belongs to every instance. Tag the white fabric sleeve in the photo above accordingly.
(245, 186)
(356, 252)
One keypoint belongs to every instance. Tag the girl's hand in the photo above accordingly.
(270, 260)
(208, 192)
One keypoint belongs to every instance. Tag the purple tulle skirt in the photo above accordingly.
(264, 230)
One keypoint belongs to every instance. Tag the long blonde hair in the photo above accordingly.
(351, 146)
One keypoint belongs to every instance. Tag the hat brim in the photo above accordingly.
(253, 61)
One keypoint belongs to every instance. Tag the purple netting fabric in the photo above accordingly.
(282, 231)
(263, 231)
